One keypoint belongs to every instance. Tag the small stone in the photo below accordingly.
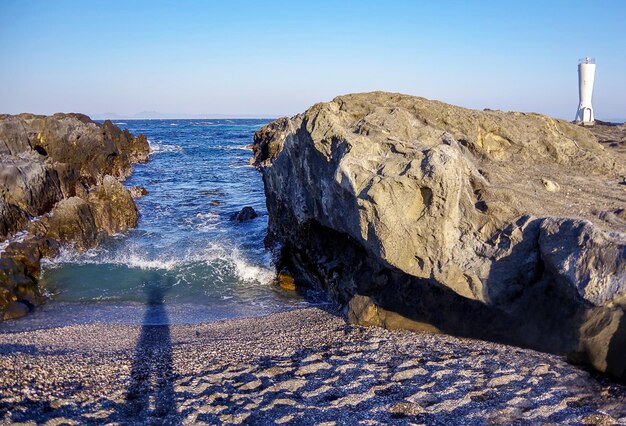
(247, 213)
(405, 409)
(550, 185)
(286, 281)
(137, 191)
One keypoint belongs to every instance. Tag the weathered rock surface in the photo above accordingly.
(59, 183)
(417, 214)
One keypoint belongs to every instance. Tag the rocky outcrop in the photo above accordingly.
(417, 214)
(60, 184)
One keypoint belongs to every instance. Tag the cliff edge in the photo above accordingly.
(417, 214)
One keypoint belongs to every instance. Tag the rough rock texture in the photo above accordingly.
(417, 214)
(59, 183)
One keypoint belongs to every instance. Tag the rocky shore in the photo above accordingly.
(507, 227)
(302, 367)
(60, 185)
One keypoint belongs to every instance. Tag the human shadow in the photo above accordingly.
(150, 394)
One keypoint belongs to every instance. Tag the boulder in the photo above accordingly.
(112, 206)
(72, 222)
(417, 214)
(247, 213)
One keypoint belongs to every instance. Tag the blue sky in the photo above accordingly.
(276, 58)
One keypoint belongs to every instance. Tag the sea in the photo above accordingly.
(185, 254)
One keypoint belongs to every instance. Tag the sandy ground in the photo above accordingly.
(301, 367)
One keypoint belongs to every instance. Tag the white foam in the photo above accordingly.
(158, 147)
(18, 237)
(224, 258)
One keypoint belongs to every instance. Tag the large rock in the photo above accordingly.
(418, 214)
(72, 222)
(59, 184)
(113, 207)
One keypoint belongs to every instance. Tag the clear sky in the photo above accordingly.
(273, 58)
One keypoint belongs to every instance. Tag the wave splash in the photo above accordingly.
(158, 147)
(224, 260)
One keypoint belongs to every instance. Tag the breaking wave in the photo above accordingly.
(159, 147)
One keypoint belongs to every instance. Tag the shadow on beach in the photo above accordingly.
(150, 393)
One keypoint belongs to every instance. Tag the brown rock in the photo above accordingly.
(138, 191)
(286, 281)
(112, 206)
(15, 310)
(72, 222)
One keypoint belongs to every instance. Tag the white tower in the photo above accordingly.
(586, 74)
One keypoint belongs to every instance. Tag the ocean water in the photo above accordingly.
(185, 251)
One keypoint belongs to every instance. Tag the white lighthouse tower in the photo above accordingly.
(586, 74)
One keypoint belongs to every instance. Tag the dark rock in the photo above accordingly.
(59, 182)
(30, 184)
(16, 284)
(15, 310)
(212, 193)
(247, 213)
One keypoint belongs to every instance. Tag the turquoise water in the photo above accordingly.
(204, 265)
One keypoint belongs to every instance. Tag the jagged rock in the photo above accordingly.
(138, 192)
(59, 183)
(438, 217)
(15, 310)
(247, 213)
(30, 251)
(112, 206)
(16, 285)
(72, 222)
(30, 184)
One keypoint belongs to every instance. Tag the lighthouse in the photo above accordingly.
(586, 74)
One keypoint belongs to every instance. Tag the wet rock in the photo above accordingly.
(72, 222)
(286, 281)
(15, 310)
(59, 183)
(112, 206)
(412, 212)
(12, 219)
(138, 192)
(16, 284)
(247, 213)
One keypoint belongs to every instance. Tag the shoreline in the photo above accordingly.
(59, 314)
(305, 366)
